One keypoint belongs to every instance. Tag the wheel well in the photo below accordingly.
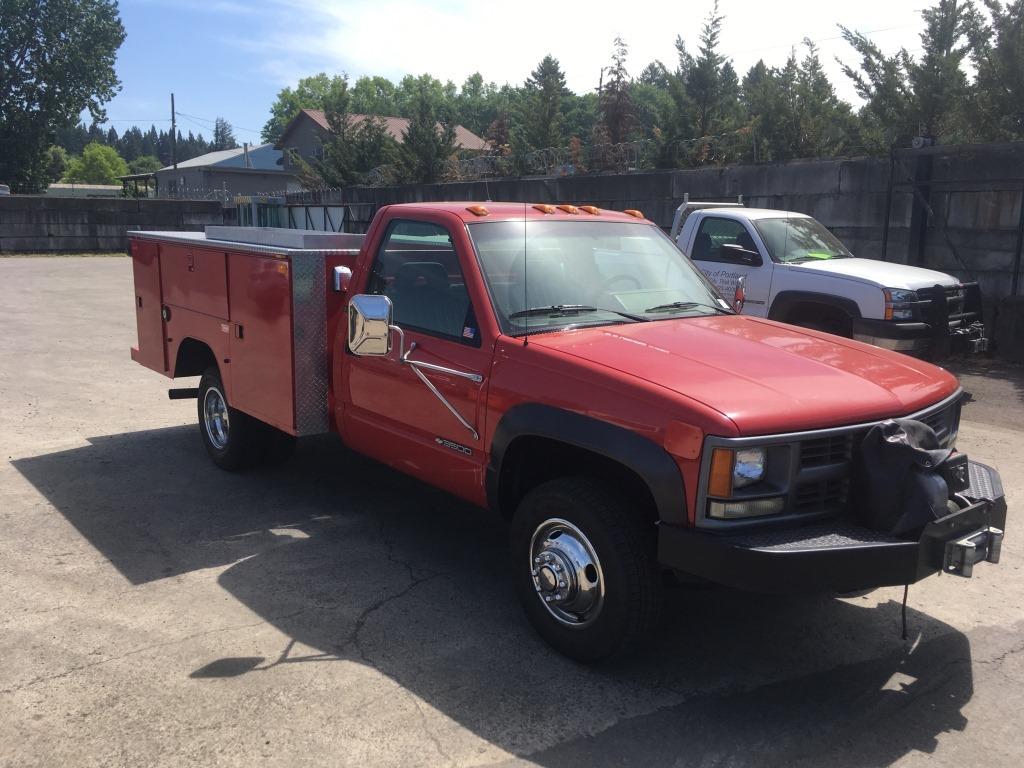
(820, 314)
(194, 357)
(530, 461)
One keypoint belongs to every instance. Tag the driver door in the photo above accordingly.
(393, 414)
(724, 266)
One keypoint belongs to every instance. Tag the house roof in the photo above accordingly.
(395, 126)
(262, 158)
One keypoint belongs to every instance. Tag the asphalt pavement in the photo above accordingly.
(155, 611)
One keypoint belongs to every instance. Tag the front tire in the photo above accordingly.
(585, 569)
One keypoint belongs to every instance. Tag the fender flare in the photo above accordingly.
(648, 460)
(786, 300)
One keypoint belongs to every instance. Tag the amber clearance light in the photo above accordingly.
(634, 213)
(569, 209)
(545, 208)
(593, 210)
(477, 210)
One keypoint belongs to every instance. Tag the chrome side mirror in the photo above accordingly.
(739, 296)
(369, 325)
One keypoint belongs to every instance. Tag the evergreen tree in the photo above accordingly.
(712, 86)
(618, 113)
(223, 135)
(998, 53)
(426, 143)
(542, 117)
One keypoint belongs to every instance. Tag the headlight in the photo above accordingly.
(899, 304)
(735, 469)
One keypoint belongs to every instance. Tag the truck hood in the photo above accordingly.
(884, 274)
(766, 377)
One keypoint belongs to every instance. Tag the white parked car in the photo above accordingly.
(798, 272)
(4, 190)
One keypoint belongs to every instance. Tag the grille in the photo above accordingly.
(822, 496)
(944, 423)
(826, 450)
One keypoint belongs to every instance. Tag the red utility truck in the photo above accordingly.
(568, 368)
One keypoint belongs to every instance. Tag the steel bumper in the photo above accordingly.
(840, 555)
(919, 338)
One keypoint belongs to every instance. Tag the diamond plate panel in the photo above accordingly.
(309, 343)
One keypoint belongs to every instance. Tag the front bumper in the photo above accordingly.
(841, 555)
(920, 338)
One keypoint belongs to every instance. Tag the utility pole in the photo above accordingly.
(174, 137)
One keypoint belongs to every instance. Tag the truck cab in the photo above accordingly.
(794, 270)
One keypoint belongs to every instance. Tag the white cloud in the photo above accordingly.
(453, 39)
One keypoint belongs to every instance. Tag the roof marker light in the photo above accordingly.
(593, 210)
(634, 213)
(572, 209)
(477, 210)
(545, 208)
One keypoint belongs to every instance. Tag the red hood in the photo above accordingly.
(766, 376)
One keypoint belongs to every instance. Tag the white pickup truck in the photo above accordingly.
(798, 272)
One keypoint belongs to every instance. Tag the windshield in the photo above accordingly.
(548, 275)
(799, 239)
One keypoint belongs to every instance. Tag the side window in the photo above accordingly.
(418, 269)
(714, 233)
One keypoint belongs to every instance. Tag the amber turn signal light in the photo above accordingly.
(477, 210)
(720, 479)
(634, 213)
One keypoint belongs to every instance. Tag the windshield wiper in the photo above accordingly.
(688, 305)
(562, 310)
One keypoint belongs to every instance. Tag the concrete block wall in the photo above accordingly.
(40, 224)
(974, 191)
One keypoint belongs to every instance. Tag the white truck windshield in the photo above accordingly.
(546, 275)
(795, 239)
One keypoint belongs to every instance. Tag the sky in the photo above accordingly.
(229, 58)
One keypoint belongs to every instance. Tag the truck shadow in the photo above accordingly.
(353, 561)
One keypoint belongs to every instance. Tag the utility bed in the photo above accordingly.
(259, 297)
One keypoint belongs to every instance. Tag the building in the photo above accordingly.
(222, 175)
(306, 133)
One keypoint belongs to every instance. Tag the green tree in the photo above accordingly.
(56, 163)
(998, 53)
(57, 61)
(941, 90)
(310, 93)
(223, 135)
(542, 117)
(427, 142)
(618, 113)
(374, 96)
(712, 87)
(145, 164)
(99, 164)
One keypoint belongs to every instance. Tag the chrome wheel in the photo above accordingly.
(215, 418)
(566, 573)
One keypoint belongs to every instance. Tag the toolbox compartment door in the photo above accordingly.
(194, 278)
(151, 351)
(259, 291)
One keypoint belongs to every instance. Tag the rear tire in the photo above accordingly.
(585, 570)
(234, 440)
